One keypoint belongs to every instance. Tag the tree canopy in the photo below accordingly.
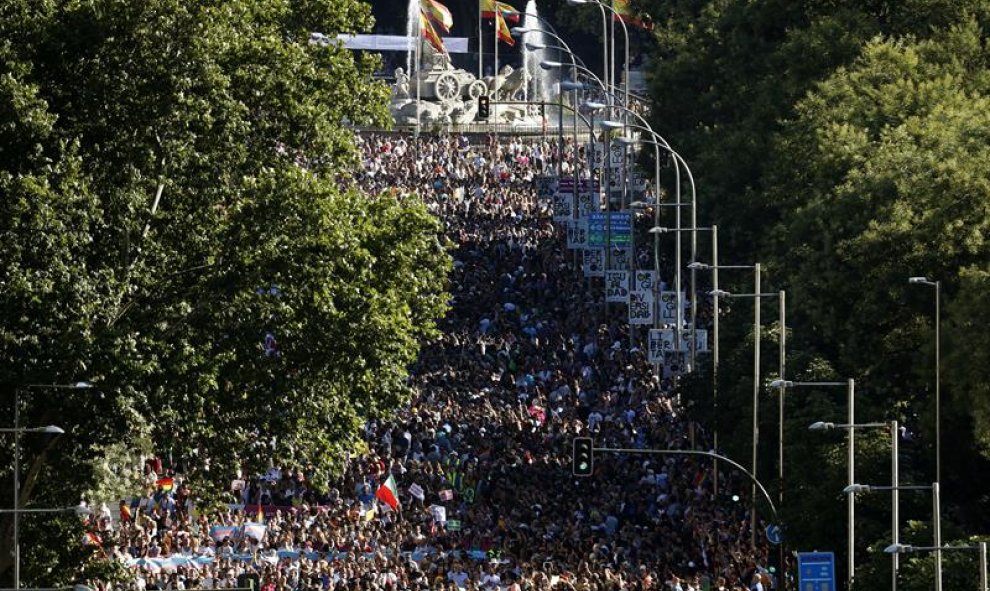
(179, 230)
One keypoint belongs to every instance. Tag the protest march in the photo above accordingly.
(470, 485)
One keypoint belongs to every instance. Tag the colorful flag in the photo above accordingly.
(438, 13)
(700, 478)
(503, 32)
(91, 539)
(625, 14)
(388, 493)
(260, 515)
(166, 484)
(255, 530)
(493, 8)
(219, 532)
(426, 30)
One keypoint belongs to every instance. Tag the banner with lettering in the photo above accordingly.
(645, 281)
(577, 234)
(594, 262)
(617, 286)
(640, 308)
(668, 307)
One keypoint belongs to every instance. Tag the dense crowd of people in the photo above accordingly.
(480, 459)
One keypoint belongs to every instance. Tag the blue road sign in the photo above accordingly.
(774, 535)
(816, 571)
(621, 228)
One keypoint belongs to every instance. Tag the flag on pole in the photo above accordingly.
(166, 484)
(438, 13)
(260, 516)
(494, 8)
(504, 34)
(624, 13)
(388, 493)
(426, 30)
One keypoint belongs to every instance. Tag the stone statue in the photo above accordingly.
(401, 87)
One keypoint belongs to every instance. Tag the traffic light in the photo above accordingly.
(483, 111)
(583, 459)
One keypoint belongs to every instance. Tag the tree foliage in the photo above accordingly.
(173, 190)
(844, 145)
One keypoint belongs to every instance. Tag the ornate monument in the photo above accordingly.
(450, 96)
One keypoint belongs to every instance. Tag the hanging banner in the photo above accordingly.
(621, 260)
(546, 186)
(668, 307)
(594, 262)
(563, 206)
(645, 281)
(700, 340)
(640, 308)
(674, 364)
(577, 234)
(617, 286)
(588, 203)
(661, 341)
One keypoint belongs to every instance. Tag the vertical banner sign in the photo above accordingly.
(599, 155)
(668, 307)
(588, 197)
(617, 286)
(645, 281)
(594, 262)
(546, 186)
(621, 259)
(640, 308)
(700, 340)
(563, 206)
(661, 341)
(674, 363)
(637, 188)
(577, 234)
(615, 160)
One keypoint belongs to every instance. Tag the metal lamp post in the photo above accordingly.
(936, 518)
(938, 368)
(757, 296)
(980, 547)
(850, 386)
(17, 431)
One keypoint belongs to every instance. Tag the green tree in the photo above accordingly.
(173, 181)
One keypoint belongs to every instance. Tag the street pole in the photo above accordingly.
(17, 487)
(782, 341)
(756, 388)
(895, 481)
(983, 567)
(937, 525)
(938, 380)
(715, 350)
(851, 468)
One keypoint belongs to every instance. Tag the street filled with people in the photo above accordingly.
(470, 486)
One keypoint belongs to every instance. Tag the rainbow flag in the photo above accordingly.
(166, 484)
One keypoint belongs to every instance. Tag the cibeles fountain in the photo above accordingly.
(438, 94)
(444, 95)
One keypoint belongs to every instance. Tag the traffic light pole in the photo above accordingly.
(682, 452)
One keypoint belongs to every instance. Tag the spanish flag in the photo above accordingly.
(624, 13)
(426, 30)
(494, 8)
(503, 30)
(438, 13)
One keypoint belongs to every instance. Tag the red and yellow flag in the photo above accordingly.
(493, 8)
(503, 30)
(438, 13)
(426, 30)
(626, 15)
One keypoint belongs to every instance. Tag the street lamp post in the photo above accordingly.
(17, 431)
(938, 368)
(850, 386)
(980, 547)
(757, 296)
